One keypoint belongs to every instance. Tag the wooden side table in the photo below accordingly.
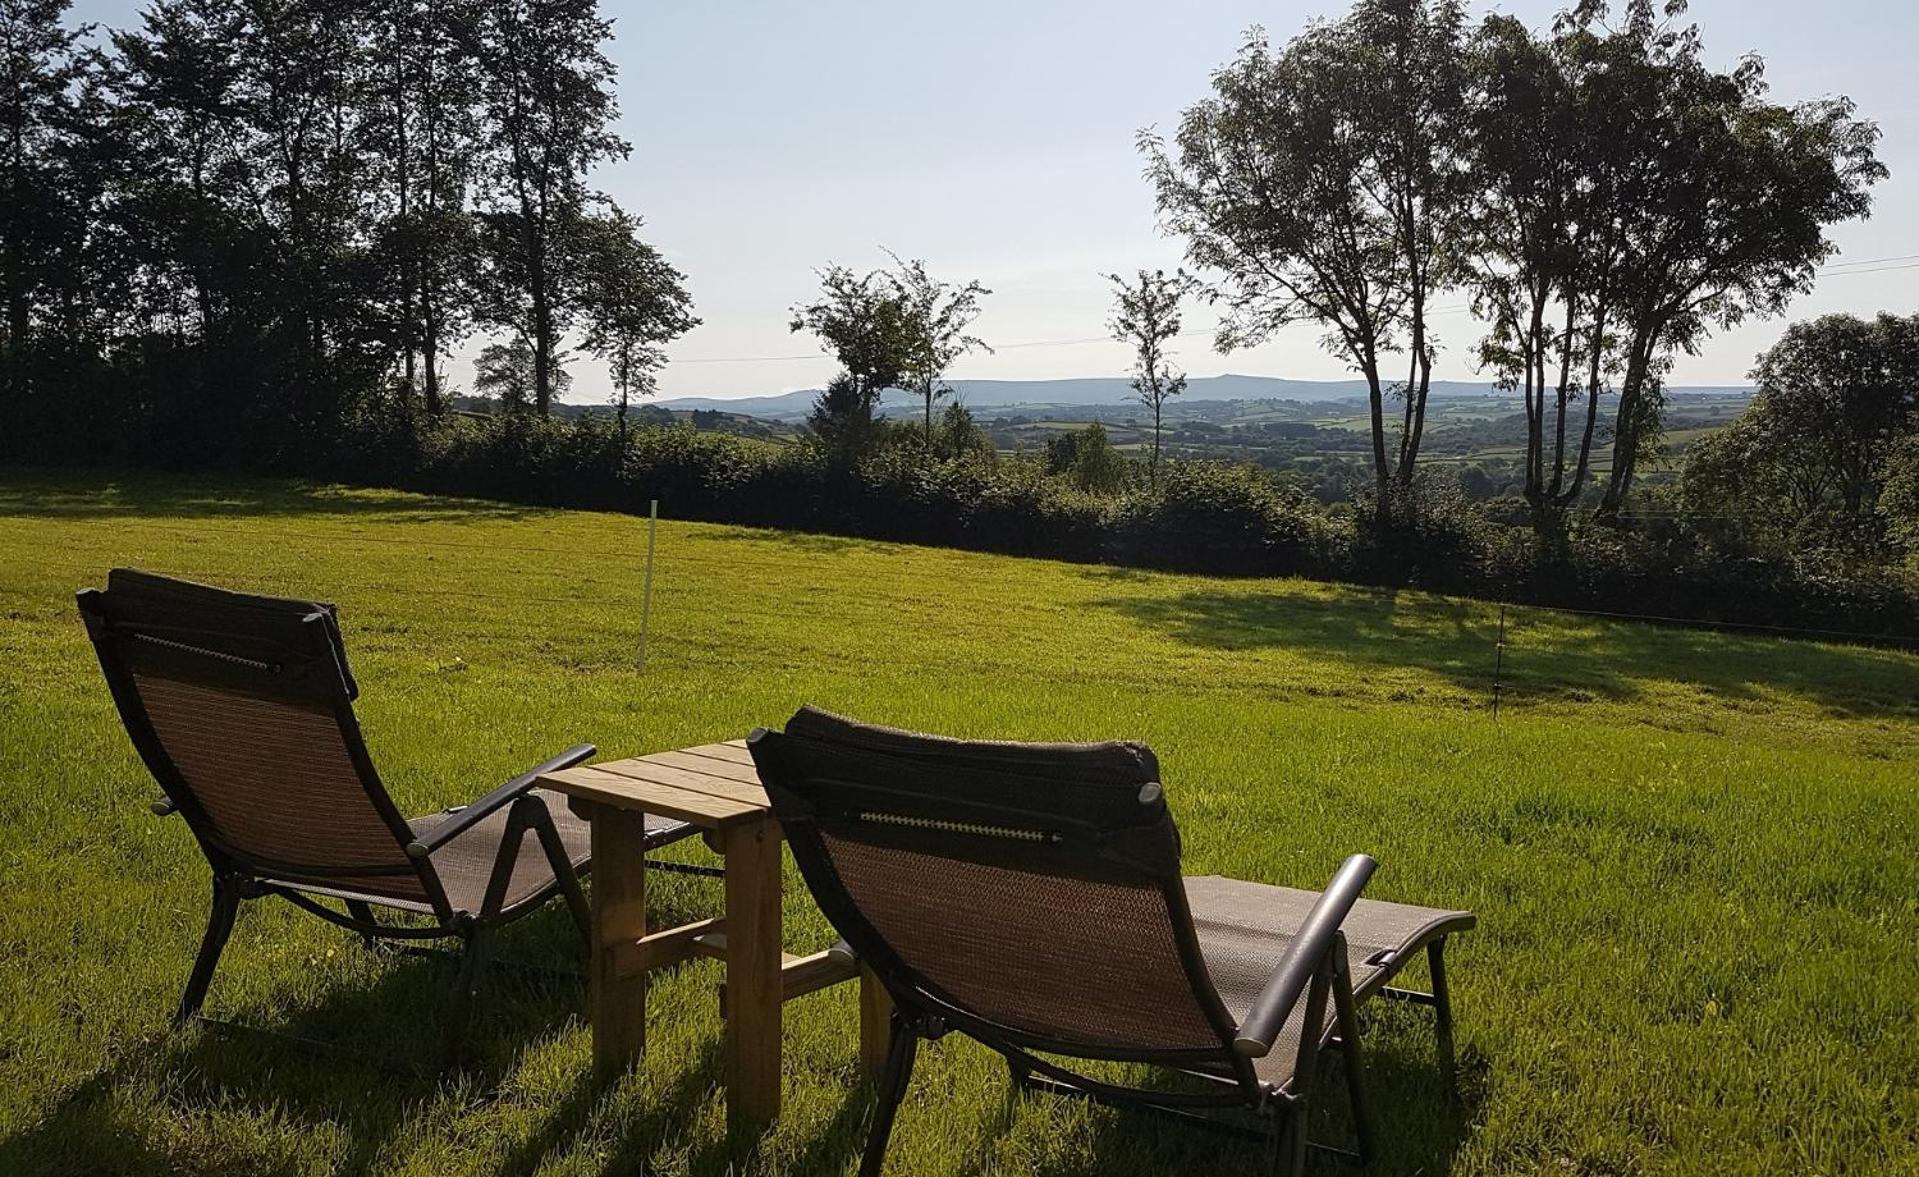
(715, 787)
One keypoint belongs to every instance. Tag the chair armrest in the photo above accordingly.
(470, 816)
(1315, 938)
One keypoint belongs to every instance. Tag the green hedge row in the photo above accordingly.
(1204, 517)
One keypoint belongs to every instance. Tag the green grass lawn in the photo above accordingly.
(1692, 855)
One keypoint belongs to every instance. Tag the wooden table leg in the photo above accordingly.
(616, 1005)
(876, 1024)
(753, 957)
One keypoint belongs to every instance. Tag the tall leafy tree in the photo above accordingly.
(936, 318)
(1322, 184)
(295, 94)
(1899, 497)
(1731, 195)
(862, 321)
(187, 187)
(242, 213)
(1628, 199)
(548, 108)
(1811, 454)
(422, 93)
(45, 212)
(1146, 318)
(633, 301)
(506, 372)
(1545, 223)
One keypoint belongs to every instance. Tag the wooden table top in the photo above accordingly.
(712, 786)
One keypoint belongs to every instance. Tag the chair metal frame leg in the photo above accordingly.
(1293, 1157)
(459, 1015)
(1443, 1013)
(1346, 1014)
(360, 910)
(563, 872)
(892, 1090)
(226, 905)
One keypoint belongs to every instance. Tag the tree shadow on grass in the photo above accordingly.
(359, 1063)
(573, 1117)
(1418, 1127)
(804, 542)
(1547, 656)
(36, 494)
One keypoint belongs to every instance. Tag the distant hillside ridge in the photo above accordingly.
(1104, 390)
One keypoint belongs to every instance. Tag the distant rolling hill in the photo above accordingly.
(1095, 390)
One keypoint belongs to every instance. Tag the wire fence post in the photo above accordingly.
(646, 594)
(1499, 659)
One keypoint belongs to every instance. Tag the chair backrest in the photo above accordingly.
(1028, 893)
(241, 707)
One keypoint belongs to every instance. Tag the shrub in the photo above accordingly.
(1220, 518)
(1425, 535)
(1209, 517)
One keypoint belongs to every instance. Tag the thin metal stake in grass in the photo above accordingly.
(646, 594)
(1499, 659)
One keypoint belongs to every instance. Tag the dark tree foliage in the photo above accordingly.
(1097, 466)
(547, 101)
(862, 321)
(1806, 464)
(55, 145)
(843, 421)
(898, 328)
(1603, 196)
(631, 299)
(1322, 183)
(1899, 497)
(249, 221)
(1729, 196)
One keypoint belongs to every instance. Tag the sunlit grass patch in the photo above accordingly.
(1691, 853)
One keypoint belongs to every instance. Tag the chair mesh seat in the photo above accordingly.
(963, 927)
(465, 865)
(1244, 929)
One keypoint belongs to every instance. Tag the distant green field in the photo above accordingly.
(1692, 855)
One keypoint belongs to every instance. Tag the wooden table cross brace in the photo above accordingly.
(714, 787)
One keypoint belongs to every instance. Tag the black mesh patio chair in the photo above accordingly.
(242, 708)
(1030, 897)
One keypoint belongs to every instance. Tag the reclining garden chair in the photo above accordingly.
(1030, 897)
(241, 707)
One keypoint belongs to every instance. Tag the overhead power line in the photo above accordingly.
(1835, 270)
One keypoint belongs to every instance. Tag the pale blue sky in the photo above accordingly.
(995, 139)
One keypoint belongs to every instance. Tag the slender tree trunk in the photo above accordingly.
(1535, 390)
(19, 315)
(1593, 364)
(19, 309)
(403, 184)
(1152, 469)
(534, 230)
(542, 343)
(624, 378)
(428, 257)
(1564, 391)
(1419, 376)
(1369, 367)
(430, 345)
(1626, 429)
(1416, 396)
